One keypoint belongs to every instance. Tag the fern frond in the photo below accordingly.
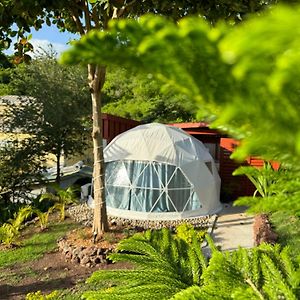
(197, 248)
(256, 270)
(276, 279)
(211, 243)
(292, 269)
(146, 292)
(136, 277)
(195, 267)
(191, 293)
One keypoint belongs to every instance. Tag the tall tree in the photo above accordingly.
(81, 16)
(55, 100)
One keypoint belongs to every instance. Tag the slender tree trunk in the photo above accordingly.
(96, 82)
(57, 179)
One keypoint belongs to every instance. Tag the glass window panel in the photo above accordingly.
(116, 174)
(118, 197)
(149, 181)
(163, 204)
(134, 170)
(179, 198)
(178, 181)
(148, 178)
(194, 203)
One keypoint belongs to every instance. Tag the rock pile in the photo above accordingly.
(84, 215)
(85, 256)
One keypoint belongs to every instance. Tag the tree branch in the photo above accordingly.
(95, 17)
(117, 13)
(87, 16)
(79, 25)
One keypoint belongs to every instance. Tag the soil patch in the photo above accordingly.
(51, 272)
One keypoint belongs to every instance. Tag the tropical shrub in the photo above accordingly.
(61, 198)
(263, 178)
(186, 232)
(164, 264)
(10, 231)
(43, 217)
(169, 268)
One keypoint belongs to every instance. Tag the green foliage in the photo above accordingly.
(288, 229)
(56, 99)
(43, 217)
(283, 192)
(141, 98)
(61, 199)
(21, 166)
(222, 68)
(8, 209)
(265, 272)
(165, 265)
(34, 247)
(40, 296)
(262, 178)
(10, 231)
(169, 268)
(187, 232)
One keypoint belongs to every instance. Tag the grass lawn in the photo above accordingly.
(34, 247)
(288, 229)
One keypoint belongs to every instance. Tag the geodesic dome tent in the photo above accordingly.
(155, 171)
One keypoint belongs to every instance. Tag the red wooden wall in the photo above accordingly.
(113, 125)
(235, 186)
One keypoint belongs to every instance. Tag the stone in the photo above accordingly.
(76, 251)
(67, 249)
(68, 255)
(84, 260)
(75, 259)
(100, 251)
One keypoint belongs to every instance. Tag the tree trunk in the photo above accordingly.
(57, 179)
(96, 82)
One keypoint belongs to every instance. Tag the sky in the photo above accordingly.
(50, 35)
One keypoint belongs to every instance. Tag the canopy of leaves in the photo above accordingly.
(140, 97)
(18, 17)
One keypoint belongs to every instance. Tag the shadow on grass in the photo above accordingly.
(8, 291)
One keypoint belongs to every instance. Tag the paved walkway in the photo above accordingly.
(233, 228)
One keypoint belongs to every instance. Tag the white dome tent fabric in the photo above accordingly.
(158, 172)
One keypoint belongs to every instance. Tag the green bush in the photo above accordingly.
(186, 232)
